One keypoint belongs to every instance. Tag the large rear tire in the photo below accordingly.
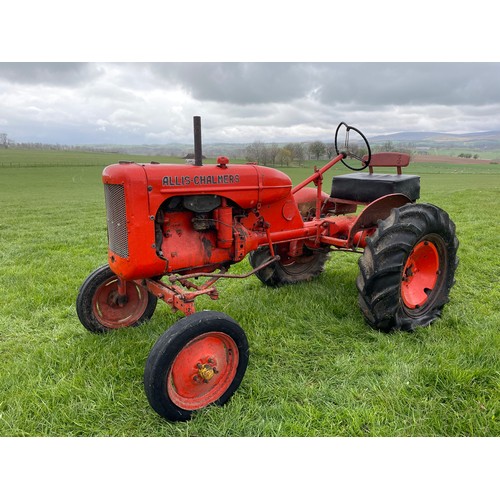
(408, 268)
(199, 361)
(288, 270)
(100, 311)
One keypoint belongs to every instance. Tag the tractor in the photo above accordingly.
(174, 230)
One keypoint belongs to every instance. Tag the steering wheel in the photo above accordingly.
(353, 151)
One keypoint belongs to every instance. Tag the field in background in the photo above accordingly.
(316, 369)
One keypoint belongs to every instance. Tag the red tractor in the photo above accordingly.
(170, 225)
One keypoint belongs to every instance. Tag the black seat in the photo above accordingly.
(365, 188)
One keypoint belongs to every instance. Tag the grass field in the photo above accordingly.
(316, 369)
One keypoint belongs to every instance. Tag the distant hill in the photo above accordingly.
(179, 150)
(484, 144)
(484, 140)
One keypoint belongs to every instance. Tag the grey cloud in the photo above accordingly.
(139, 102)
(333, 83)
(48, 73)
(411, 83)
(238, 83)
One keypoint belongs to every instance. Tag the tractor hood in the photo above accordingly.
(247, 185)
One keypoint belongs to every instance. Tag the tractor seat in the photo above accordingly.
(367, 187)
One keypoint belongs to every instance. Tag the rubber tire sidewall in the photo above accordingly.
(384, 258)
(171, 343)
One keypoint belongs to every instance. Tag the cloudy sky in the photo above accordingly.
(151, 103)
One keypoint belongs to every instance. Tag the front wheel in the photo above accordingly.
(199, 361)
(100, 309)
(408, 268)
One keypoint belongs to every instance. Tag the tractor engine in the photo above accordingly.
(186, 218)
(199, 232)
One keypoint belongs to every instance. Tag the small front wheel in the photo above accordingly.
(200, 360)
(100, 309)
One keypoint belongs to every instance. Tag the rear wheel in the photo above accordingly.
(199, 361)
(100, 308)
(408, 268)
(288, 270)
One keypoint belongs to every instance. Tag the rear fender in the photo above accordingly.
(376, 210)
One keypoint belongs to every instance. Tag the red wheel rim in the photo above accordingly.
(420, 274)
(202, 371)
(114, 313)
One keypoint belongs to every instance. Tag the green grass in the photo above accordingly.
(54, 158)
(487, 154)
(316, 369)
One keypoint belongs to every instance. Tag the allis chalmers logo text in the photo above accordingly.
(199, 180)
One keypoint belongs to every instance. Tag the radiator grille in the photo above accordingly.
(117, 219)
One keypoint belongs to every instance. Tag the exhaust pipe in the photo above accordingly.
(198, 156)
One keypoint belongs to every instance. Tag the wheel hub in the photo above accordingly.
(115, 310)
(420, 274)
(205, 371)
(117, 300)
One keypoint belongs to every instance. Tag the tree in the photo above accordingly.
(272, 152)
(285, 156)
(387, 146)
(4, 140)
(330, 150)
(317, 148)
(297, 151)
(257, 152)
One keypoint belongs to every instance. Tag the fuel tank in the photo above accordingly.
(247, 185)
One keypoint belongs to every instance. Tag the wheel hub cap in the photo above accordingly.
(420, 274)
(206, 371)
